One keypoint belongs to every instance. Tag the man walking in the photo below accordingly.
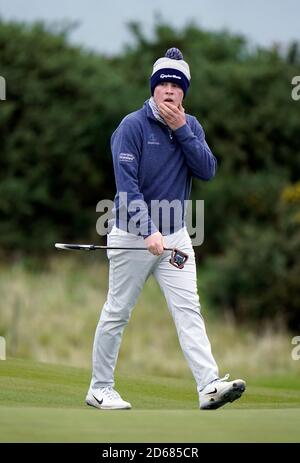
(156, 152)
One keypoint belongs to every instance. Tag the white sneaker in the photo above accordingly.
(221, 391)
(106, 398)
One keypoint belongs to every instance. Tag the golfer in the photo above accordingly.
(156, 152)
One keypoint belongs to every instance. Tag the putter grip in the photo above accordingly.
(68, 247)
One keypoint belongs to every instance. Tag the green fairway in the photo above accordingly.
(45, 403)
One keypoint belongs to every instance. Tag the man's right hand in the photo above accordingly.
(155, 243)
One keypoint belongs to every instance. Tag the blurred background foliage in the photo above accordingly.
(63, 103)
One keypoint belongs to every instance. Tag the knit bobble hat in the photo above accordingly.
(171, 68)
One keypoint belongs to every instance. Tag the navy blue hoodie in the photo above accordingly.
(152, 162)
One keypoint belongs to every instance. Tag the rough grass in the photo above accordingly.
(50, 313)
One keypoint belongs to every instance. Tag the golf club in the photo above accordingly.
(178, 258)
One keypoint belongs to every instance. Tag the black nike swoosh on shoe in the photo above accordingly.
(99, 401)
(212, 392)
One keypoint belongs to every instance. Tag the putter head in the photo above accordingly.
(178, 258)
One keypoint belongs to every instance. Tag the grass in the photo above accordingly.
(42, 402)
(50, 314)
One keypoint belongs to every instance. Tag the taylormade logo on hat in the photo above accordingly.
(165, 76)
(171, 68)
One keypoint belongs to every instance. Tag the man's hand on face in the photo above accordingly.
(155, 243)
(173, 116)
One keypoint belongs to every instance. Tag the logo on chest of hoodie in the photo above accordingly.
(152, 140)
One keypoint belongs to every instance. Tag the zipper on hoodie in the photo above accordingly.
(170, 134)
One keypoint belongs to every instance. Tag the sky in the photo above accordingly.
(102, 23)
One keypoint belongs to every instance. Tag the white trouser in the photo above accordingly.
(128, 272)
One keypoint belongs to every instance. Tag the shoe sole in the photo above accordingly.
(96, 405)
(231, 395)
